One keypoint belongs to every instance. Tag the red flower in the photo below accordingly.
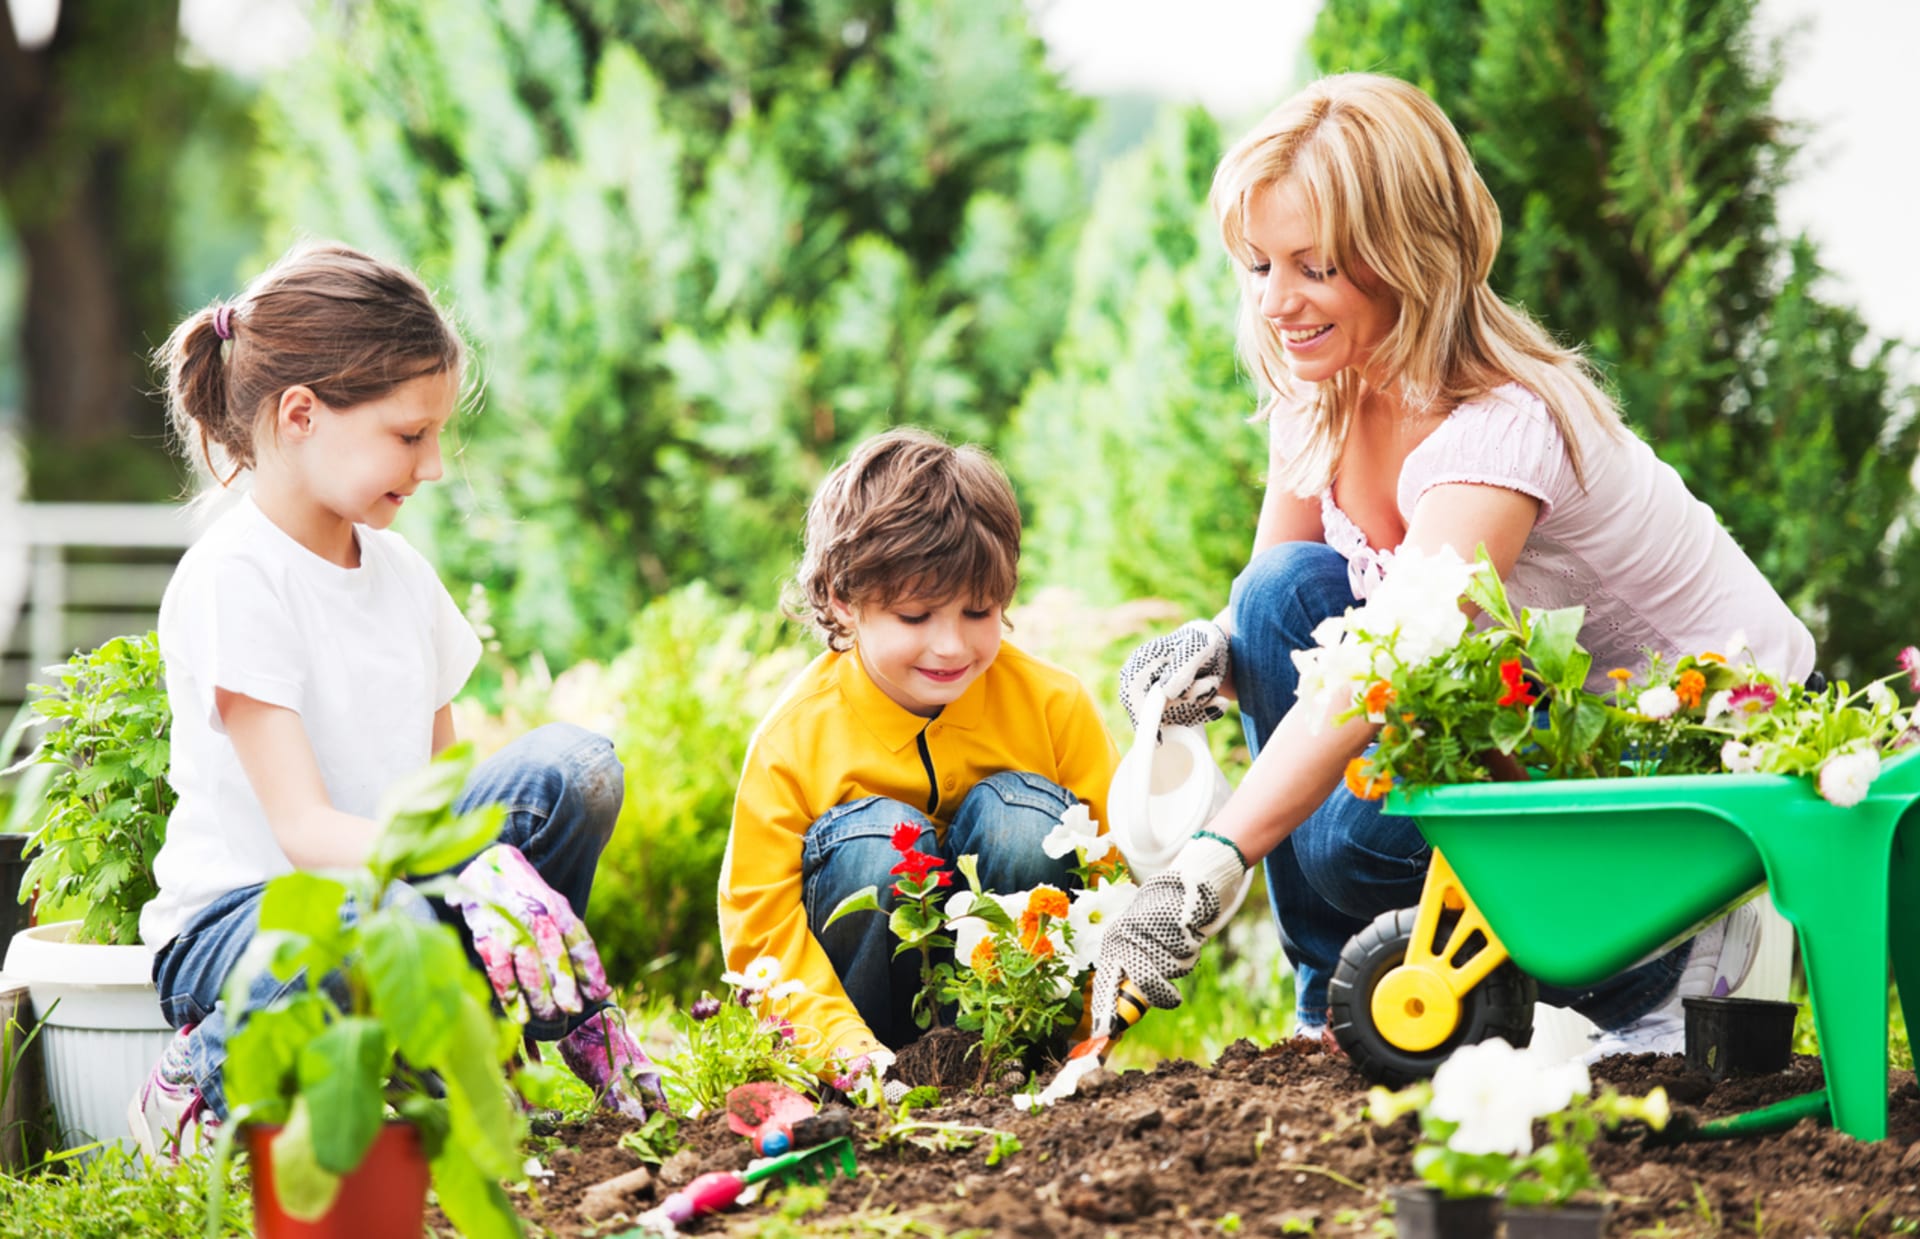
(1519, 692)
(905, 837)
(1910, 663)
(915, 864)
(1751, 699)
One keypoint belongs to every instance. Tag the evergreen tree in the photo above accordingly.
(701, 252)
(1633, 151)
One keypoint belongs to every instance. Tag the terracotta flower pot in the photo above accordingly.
(1421, 1212)
(1561, 1222)
(385, 1199)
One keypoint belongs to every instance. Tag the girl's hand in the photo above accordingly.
(536, 952)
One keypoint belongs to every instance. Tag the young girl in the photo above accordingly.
(311, 659)
(1413, 407)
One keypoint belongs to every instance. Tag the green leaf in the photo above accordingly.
(263, 1058)
(473, 1200)
(1510, 728)
(342, 1073)
(1553, 644)
(416, 974)
(303, 903)
(866, 899)
(306, 1189)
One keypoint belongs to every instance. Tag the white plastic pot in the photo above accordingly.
(105, 1035)
(1162, 792)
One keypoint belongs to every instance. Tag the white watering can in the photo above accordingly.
(1161, 793)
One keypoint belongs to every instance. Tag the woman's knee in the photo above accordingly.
(1363, 864)
(1294, 586)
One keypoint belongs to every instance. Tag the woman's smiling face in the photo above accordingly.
(1326, 322)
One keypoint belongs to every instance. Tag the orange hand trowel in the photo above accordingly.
(1129, 1004)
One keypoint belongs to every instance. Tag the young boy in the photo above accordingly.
(917, 713)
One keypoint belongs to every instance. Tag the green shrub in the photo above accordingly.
(687, 692)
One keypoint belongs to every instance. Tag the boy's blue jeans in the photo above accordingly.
(561, 786)
(1001, 821)
(1349, 862)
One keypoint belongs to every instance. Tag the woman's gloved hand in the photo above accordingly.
(1187, 666)
(1157, 939)
(536, 952)
(610, 1062)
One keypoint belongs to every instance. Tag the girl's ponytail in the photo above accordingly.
(345, 325)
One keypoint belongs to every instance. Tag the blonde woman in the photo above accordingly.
(1410, 406)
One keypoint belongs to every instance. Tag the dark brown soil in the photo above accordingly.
(1275, 1137)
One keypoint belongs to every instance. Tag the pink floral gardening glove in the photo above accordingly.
(607, 1059)
(536, 952)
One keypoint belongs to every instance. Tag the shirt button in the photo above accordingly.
(933, 729)
(948, 784)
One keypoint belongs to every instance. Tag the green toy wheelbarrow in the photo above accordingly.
(1572, 882)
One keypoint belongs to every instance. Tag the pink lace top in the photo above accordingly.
(1650, 563)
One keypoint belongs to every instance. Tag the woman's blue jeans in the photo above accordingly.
(1349, 861)
(1001, 821)
(561, 787)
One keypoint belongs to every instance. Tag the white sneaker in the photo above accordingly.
(169, 1115)
(1718, 961)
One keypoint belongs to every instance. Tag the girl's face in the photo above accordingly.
(1326, 322)
(360, 464)
(923, 655)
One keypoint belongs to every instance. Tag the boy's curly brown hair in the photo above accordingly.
(908, 516)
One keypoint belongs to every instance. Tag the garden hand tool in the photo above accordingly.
(536, 952)
(765, 1113)
(713, 1192)
(1129, 1004)
(1765, 1121)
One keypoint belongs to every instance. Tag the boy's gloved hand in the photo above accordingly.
(536, 952)
(1187, 665)
(1157, 939)
(608, 1060)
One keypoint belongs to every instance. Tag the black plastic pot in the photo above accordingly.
(13, 868)
(1421, 1212)
(1563, 1222)
(1739, 1036)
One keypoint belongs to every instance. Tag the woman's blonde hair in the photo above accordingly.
(1392, 191)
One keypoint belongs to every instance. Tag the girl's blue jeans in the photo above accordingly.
(561, 787)
(1349, 861)
(1001, 821)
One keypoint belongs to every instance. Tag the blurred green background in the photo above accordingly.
(702, 249)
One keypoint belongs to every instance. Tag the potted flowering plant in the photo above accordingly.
(1477, 1117)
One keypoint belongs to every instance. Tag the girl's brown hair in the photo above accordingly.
(909, 516)
(326, 317)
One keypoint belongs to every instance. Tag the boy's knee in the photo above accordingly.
(851, 846)
(1025, 799)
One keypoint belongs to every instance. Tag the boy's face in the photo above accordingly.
(922, 654)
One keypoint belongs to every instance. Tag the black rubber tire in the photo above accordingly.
(1500, 1006)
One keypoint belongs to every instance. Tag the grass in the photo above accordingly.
(114, 1195)
(1806, 1039)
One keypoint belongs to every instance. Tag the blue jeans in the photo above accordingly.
(561, 787)
(1350, 861)
(1001, 821)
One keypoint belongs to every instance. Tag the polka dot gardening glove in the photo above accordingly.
(1157, 939)
(536, 952)
(1187, 666)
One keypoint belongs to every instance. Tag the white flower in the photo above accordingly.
(1720, 703)
(1739, 758)
(759, 975)
(1495, 1092)
(1737, 645)
(968, 931)
(1090, 913)
(1845, 777)
(1881, 698)
(1657, 702)
(1076, 830)
(787, 989)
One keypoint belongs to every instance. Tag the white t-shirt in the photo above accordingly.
(365, 656)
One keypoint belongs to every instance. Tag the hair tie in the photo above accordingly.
(223, 322)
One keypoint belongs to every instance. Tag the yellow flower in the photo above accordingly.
(1620, 675)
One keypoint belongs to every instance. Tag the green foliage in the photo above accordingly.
(681, 702)
(1633, 152)
(655, 1140)
(744, 1038)
(1137, 465)
(103, 812)
(120, 1193)
(703, 250)
(1016, 989)
(414, 1035)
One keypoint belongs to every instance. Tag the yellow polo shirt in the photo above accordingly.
(834, 737)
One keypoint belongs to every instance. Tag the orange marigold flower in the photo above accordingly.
(1364, 786)
(1619, 675)
(1047, 901)
(1033, 936)
(983, 958)
(1690, 687)
(1379, 697)
(1708, 656)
